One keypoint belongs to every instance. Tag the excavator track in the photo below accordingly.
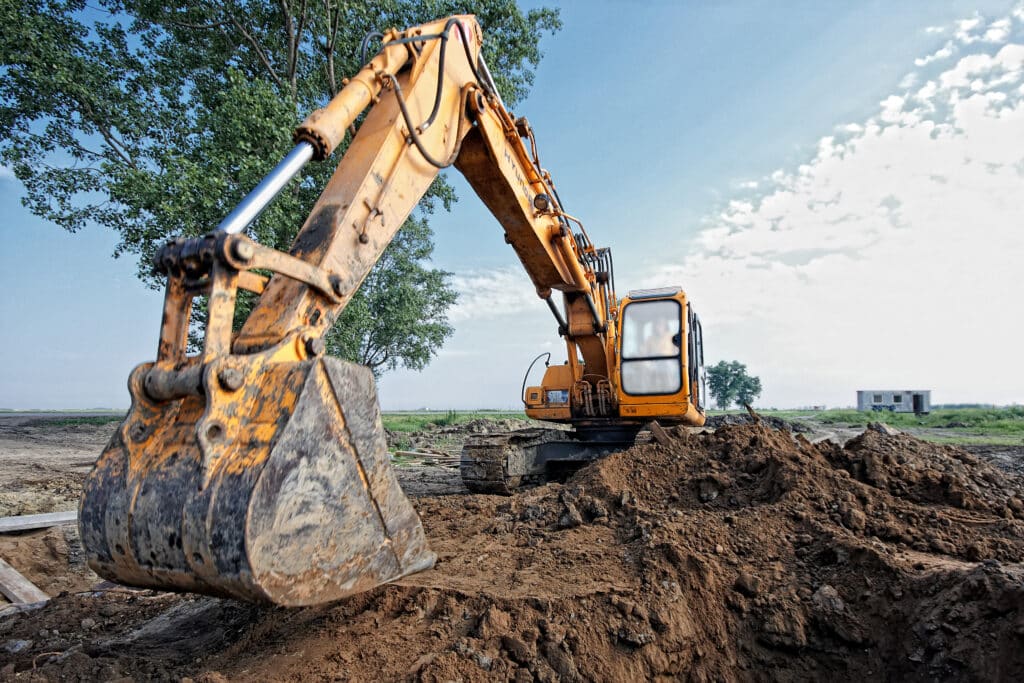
(500, 463)
(503, 462)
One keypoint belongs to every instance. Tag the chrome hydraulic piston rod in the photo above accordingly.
(261, 196)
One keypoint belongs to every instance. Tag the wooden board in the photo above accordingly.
(23, 522)
(659, 434)
(17, 588)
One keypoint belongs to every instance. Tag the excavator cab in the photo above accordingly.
(660, 358)
(657, 364)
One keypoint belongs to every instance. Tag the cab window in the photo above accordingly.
(651, 348)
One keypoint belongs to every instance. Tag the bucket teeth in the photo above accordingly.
(291, 500)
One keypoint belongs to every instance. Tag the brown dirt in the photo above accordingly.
(737, 555)
(53, 558)
(1009, 458)
(43, 463)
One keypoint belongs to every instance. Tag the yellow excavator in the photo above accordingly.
(258, 468)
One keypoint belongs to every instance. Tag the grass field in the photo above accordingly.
(995, 426)
(417, 420)
(70, 420)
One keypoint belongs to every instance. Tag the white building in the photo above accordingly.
(898, 401)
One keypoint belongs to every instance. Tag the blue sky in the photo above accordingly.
(752, 152)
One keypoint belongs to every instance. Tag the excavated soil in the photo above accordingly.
(743, 554)
(43, 462)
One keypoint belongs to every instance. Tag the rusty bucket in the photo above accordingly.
(280, 493)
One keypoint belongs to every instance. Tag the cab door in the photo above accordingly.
(695, 353)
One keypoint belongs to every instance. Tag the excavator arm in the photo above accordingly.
(434, 105)
(257, 468)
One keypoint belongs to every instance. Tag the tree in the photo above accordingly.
(729, 382)
(749, 390)
(154, 119)
(396, 317)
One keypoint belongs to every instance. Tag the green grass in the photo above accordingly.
(416, 421)
(71, 420)
(996, 426)
(449, 418)
(971, 439)
(1006, 421)
(993, 426)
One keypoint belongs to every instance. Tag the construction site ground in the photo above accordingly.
(769, 550)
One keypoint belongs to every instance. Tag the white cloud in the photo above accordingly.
(908, 81)
(942, 53)
(892, 257)
(965, 30)
(493, 293)
(935, 29)
(998, 31)
(892, 109)
(6, 173)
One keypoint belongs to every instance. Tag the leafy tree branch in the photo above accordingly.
(153, 119)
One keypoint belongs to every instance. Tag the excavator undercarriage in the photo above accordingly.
(503, 462)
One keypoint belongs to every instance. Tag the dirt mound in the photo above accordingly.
(53, 557)
(1005, 457)
(716, 421)
(742, 554)
(928, 473)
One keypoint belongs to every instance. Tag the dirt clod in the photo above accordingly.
(748, 584)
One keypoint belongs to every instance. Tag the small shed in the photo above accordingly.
(918, 401)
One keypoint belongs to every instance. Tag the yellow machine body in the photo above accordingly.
(653, 376)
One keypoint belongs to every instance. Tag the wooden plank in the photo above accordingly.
(659, 433)
(17, 588)
(23, 522)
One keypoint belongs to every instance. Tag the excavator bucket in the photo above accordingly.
(279, 491)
